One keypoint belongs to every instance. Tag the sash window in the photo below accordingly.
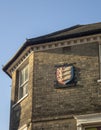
(23, 82)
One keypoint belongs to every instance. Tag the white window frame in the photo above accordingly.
(21, 86)
(88, 120)
(99, 80)
(24, 127)
(100, 58)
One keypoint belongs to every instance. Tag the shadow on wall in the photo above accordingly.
(15, 114)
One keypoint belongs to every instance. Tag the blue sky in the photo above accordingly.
(23, 19)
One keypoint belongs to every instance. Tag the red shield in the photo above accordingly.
(64, 74)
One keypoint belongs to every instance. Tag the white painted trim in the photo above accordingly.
(87, 119)
(99, 80)
(24, 127)
(100, 58)
(20, 100)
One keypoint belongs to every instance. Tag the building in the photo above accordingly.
(56, 81)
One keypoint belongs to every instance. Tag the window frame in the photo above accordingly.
(23, 84)
(93, 127)
(88, 120)
(99, 80)
(100, 59)
(24, 127)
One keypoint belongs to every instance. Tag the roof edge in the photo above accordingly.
(43, 39)
(14, 57)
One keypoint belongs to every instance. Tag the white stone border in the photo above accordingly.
(87, 119)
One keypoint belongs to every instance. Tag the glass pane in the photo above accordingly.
(91, 129)
(94, 128)
(21, 77)
(26, 73)
(100, 50)
(25, 89)
(20, 92)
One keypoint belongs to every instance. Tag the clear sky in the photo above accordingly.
(21, 19)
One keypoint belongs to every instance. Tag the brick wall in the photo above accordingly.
(49, 102)
(21, 113)
(53, 109)
(69, 124)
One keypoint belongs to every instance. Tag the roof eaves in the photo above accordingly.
(69, 36)
(47, 39)
(14, 57)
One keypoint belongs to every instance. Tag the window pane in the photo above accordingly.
(26, 73)
(91, 128)
(100, 50)
(25, 89)
(20, 92)
(21, 77)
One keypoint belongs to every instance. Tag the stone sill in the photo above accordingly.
(99, 80)
(19, 101)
